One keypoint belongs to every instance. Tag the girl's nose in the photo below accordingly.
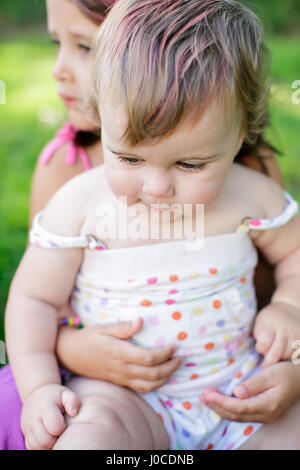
(62, 69)
(157, 184)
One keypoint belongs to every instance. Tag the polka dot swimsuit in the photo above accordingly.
(203, 300)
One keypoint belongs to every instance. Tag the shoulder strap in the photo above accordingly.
(66, 134)
(38, 236)
(289, 212)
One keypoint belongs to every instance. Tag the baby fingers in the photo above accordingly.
(276, 351)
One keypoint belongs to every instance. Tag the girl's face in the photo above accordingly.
(187, 167)
(73, 33)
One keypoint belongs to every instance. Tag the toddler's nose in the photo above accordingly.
(158, 185)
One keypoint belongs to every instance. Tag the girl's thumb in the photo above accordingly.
(70, 402)
(251, 387)
(122, 329)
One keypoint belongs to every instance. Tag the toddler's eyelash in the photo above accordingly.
(187, 166)
(193, 166)
(131, 161)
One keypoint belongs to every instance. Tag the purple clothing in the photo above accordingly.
(11, 437)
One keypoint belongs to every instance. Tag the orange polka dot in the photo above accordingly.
(209, 447)
(217, 303)
(146, 303)
(173, 278)
(182, 335)
(213, 271)
(248, 430)
(230, 361)
(176, 315)
(209, 346)
(243, 280)
(238, 375)
(194, 376)
(187, 405)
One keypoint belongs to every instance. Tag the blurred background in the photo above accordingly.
(33, 112)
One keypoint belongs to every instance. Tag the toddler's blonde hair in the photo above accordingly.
(164, 60)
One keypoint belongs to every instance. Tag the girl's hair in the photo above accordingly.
(96, 11)
(165, 60)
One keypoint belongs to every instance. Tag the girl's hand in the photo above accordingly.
(266, 396)
(100, 352)
(276, 327)
(42, 420)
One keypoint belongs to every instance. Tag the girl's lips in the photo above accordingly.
(67, 99)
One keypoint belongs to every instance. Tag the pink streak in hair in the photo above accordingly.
(97, 17)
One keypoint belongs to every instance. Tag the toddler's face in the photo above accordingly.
(187, 167)
(73, 33)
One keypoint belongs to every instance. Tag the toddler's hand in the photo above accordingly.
(42, 420)
(276, 327)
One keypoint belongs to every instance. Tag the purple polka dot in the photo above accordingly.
(221, 323)
(154, 321)
(225, 431)
(185, 433)
(87, 308)
(103, 301)
(230, 445)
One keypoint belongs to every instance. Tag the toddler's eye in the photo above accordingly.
(130, 161)
(192, 166)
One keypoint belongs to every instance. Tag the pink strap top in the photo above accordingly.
(66, 134)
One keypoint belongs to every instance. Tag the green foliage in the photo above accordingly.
(277, 15)
(20, 12)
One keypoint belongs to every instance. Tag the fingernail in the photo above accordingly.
(135, 322)
(241, 391)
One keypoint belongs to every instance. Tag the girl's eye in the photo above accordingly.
(84, 48)
(192, 166)
(130, 161)
(55, 42)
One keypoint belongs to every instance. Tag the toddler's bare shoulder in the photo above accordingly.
(67, 210)
(259, 191)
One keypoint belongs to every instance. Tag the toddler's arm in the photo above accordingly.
(41, 286)
(278, 324)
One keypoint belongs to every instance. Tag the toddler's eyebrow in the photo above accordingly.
(192, 157)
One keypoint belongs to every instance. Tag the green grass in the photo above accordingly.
(26, 64)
